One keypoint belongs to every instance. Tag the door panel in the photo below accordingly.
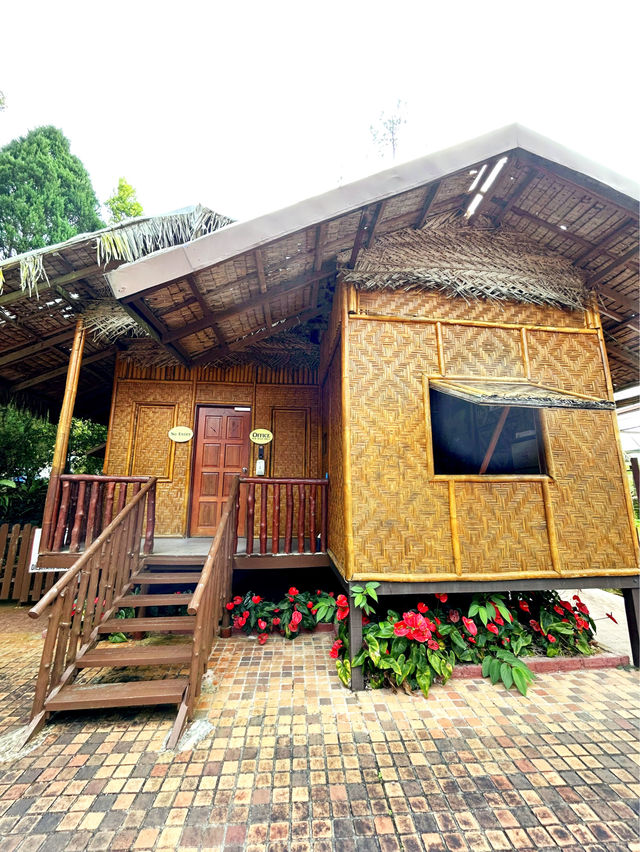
(221, 451)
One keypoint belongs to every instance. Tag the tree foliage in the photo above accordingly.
(387, 132)
(123, 204)
(46, 195)
(26, 453)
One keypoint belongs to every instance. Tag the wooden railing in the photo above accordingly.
(86, 504)
(84, 596)
(17, 583)
(289, 528)
(207, 604)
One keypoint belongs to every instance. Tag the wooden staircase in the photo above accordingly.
(109, 576)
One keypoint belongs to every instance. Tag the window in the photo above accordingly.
(489, 439)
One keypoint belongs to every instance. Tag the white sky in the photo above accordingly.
(250, 106)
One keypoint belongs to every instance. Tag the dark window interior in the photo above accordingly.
(462, 433)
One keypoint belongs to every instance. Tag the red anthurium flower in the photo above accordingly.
(318, 591)
(277, 609)
(365, 620)
(276, 621)
(262, 638)
(342, 601)
(559, 610)
(470, 625)
(256, 599)
(230, 605)
(400, 628)
(499, 619)
(245, 614)
(314, 612)
(290, 599)
(332, 594)
(551, 638)
(262, 623)
(436, 619)
(610, 615)
(296, 617)
(443, 597)
(576, 597)
(293, 591)
(492, 628)
(471, 639)
(454, 616)
(534, 624)
(567, 605)
(310, 605)
(335, 649)
(504, 641)
(343, 613)
(583, 608)
(433, 645)
(524, 606)
(422, 607)
(237, 600)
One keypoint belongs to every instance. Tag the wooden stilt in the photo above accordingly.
(355, 642)
(632, 610)
(62, 435)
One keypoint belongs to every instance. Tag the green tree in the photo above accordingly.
(123, 204)
(46, 195)
(386, 134)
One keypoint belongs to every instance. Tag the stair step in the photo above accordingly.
(161, 624)
(169, 578)
(116, 655)
(139, 693)
(170, 562)
(155, 600)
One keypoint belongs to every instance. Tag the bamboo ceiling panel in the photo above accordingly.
(591, 518)
(173, 295)
(431, 304)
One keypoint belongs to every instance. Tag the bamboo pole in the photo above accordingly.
(480, 323)
(440, 344)
(524, 349)
(62, 435)
(455, 538)
(551, 528)
(429, 433)
(346, 439)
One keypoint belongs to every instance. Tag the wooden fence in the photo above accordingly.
(16, 583)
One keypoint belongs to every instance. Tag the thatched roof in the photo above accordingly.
(489, 263)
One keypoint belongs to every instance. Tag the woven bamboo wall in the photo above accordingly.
(402, 519)
(332, 457)
(148, 401)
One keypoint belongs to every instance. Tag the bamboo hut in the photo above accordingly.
(433, 352)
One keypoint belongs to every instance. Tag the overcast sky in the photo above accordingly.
(247, 107)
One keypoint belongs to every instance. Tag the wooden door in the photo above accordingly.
(221, 452)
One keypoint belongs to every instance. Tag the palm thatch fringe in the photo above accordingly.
(450, 256)
(135, 239)
(126, 241)
(107, 321)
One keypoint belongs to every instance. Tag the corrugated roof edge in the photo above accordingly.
(168, 264)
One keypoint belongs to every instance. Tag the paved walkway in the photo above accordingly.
(295, 762)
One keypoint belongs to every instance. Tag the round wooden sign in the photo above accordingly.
(180, 434)
(261, 436)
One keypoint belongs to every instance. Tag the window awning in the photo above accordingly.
(524, 394)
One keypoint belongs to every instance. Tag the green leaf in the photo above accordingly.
(520, 681)
(357, 589)
(399, 645)
(506, 675)
(374, 650)
(494, 670)
(359, 659)
(485, 666)
(344, 671)
(473, 609)
(423, 679)
(371, 591)
(482, 612)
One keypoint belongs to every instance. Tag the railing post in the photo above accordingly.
(74, 544)
(301, 516)
(237, 519)
(312, 517)
(275, 536)
(288, 524)
(263, 517)
(151, 520)
(91, 516)
(62, 517)
(324, 521)
(251, 500)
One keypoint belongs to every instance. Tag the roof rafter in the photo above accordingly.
(60, 371)
(45, 343)
(206, 310)
(262, 283)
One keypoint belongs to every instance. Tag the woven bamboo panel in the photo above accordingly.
(272, 397)
(334, 458)
(571, 362)
(400, 523)
(502, 528)
(592, 524)
(171, 494)
(424, 303)
(152, 453)
(479, 351)
(290, 446)
(217, 393)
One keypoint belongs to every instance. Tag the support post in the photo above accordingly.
(355, 642)
(632, 610)
(62, 435)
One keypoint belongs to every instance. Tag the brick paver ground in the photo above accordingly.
(296, 762)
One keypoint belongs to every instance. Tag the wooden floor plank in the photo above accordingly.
(176, 599)
(145, 655)
(130, 694)
(168, 578)
(161, 624)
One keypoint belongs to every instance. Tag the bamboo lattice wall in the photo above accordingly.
(408, 525)
(146, 399)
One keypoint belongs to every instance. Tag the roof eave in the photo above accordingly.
(241, 237)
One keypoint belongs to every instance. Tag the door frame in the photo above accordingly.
(245, 408)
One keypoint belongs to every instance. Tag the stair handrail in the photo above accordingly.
(84, 597)
(37, 610)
